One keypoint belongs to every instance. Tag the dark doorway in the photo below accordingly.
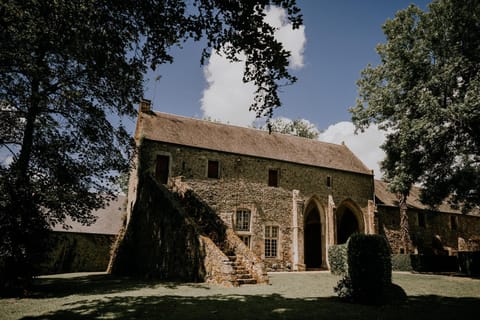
(313, 240)
(161, 168)
(347, 226)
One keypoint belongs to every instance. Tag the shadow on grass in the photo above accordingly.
(52, 287)
(271, 306)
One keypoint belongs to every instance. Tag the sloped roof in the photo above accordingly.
(245, 141)
(109, 220)
(413, 200)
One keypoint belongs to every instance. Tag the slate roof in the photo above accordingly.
(413, 200)
(109, 220)
(203, 134)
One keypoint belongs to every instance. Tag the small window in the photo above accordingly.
(242, 220)
(329, 182)
(421, 220)
(213, 169)
(271, 241)
(273, 178)
(245, 239)
(162, 168)
(453, 222)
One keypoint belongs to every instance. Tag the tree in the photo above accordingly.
(68, 68)
(298, 127)
(425, 94)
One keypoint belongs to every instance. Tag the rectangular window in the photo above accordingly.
(273, 178)
(421, 220)
(329, 182)
(271, 241)
(246, 240)
(453, 222)
(162, 168)
(213, 169)
(242, 220)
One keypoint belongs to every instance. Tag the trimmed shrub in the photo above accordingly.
(369, 268)
(469, 262)
(431, 263)
(337, 258)
(401, 262)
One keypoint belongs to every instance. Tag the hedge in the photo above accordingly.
(424, 263)
(337, 258)
(469, 262)
(369, 270)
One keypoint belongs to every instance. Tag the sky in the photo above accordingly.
(337, 41)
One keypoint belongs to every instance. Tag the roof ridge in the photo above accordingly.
(248, 128)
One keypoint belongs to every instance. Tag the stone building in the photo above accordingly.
(287, 198)
(80, 248)
(443, 231)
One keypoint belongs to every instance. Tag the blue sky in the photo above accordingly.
(339, 41)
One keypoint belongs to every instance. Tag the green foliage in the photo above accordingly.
(369, 270)
(298, 127)
(337, 259)
(469, 262)
(67, 68)
(401, 262)
(425, 94)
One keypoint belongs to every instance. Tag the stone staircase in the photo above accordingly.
(241, 274)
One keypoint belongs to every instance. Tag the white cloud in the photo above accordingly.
(226, 97)
(366, 145)
(292, 40)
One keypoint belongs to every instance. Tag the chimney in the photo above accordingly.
(145, 105)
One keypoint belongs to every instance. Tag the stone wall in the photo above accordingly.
(436, 236)
(216, 269)
(243, 184)
(77, 252)
(161, 241)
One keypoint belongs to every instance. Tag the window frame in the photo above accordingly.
(169, 164)
(329, 182)
(243, 212)
(248, 239)
(209, 170)
(271, 242)
(273, 177)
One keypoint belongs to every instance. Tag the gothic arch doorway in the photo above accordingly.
(313, 238)
(349, 221)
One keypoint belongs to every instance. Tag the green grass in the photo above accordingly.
(288, 296)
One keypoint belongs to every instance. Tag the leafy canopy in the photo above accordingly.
(68, 69)
(298, 127)
(425, 94)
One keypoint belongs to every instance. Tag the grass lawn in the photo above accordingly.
(288, 296)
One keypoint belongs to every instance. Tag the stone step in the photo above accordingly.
(246, 281)
(244, 276)
(242, 272)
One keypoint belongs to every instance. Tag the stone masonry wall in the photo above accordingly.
(243, 184)
(437, 236)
